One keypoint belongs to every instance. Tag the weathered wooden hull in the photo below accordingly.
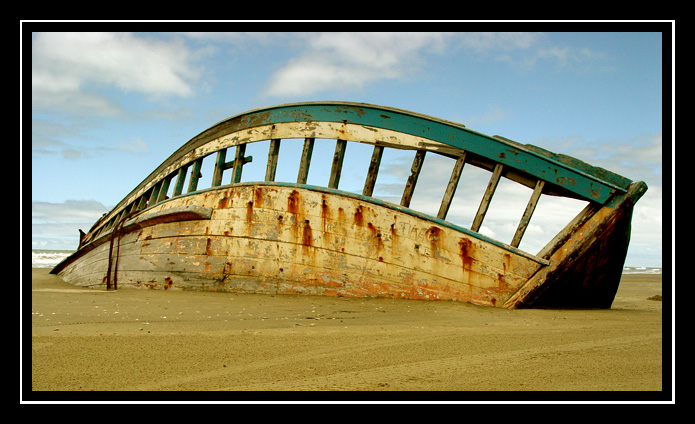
(586, 258)
(282, 237)
(270, 238)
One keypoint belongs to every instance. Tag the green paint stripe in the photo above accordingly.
(594, 184)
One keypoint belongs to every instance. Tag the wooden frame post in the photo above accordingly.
(304, 164)
(178, 187)
(487, 197)
(164, 189)
(337, 166)
(526, 218)
(412, 179)
(195, 175)
(451, 188)
(374, 163)
(219, 167)
(142, 203)
(154, 194)
(239, 161)
(273, 153)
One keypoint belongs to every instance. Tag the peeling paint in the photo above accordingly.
(286, 238)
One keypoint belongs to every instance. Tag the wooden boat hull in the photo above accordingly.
(586, 258)
(272, 238)
(282, 237)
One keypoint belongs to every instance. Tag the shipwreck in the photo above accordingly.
(288, 237)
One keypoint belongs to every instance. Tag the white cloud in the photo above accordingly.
(70, 211)
(637, 158)
(57, 225)
(134, 146)
(69, 65)
(493, 115)
(487, 231)
(350, 60)
(488, 41)
(525, 51)
(558, 54)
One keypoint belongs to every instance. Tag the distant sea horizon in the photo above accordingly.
(48, 258)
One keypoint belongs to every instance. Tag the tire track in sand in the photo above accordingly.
(400, 375)
(206, 380)
(389, 377)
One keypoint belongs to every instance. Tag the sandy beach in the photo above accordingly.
(146, 340)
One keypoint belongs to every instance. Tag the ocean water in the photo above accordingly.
(50, 258)
(641, 270)
(41, 258)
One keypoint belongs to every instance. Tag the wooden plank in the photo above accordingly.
(142, 203)
(355, 246)
(392, 128)
(195, 175)
(239, 162)
(487, 197)
(273, 153)
(170, 214)
(164, 188)
(180, 179)
(560, 238)
(451, 187)
(586, 258)
(155, 193)
(526, 218)
(337, 166)
(117, 218)
(130, 208)
(373, 170)
(219, 167)
(412, 179)
(307, 151)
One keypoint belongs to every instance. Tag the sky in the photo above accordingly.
(109, 107)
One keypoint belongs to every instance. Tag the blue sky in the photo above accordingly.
(107, 108)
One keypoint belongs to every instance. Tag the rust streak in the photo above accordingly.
(502, 284)
(258, 196)
(249, 212)
(306, 234)
(358, 218)
(225, 202)
(293, 202)
(377, 235)
(434, 234)
(565, 181)
(325, 213)
(465, 247)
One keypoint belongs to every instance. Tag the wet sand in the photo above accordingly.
(147, 340)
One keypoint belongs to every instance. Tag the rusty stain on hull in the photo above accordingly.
(285, 237)
(312, 253)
